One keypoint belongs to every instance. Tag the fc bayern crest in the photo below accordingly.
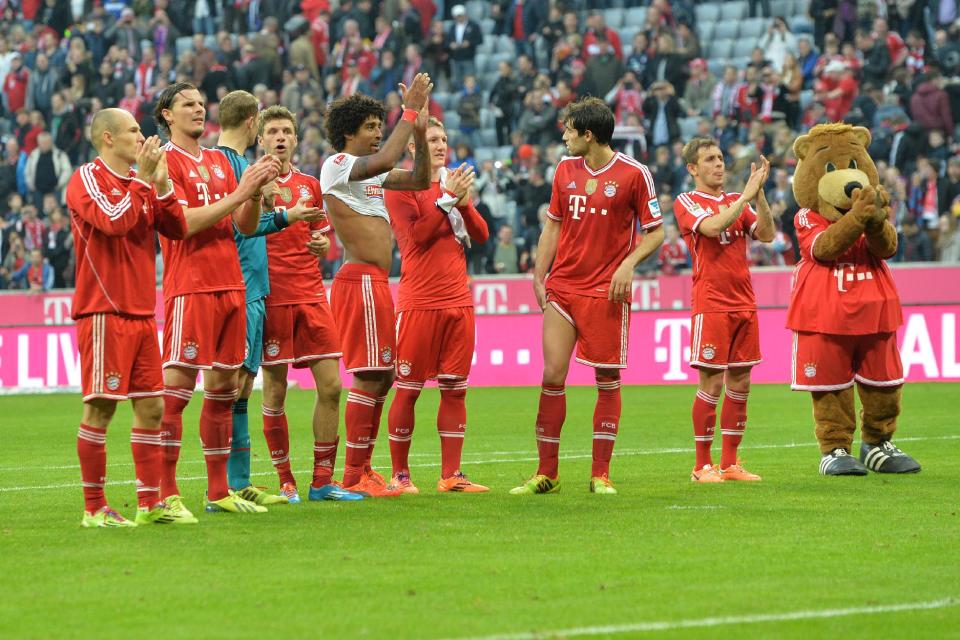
(190, 350)
(810, 370)
(304, 191)
(610, 189)
(386, 355)
(404, 368)
(272, 349)
(217, 171)
(113, 381)
(709, 352)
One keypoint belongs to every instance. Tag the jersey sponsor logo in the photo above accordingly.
(654, 206)
(591, 186)
(217, 171)
(272, 348)
(572, 185)
(576, 205)
(112, 381)
(846, 274)
(404, 367)
(386, 354)
(339, 160)
(373, 191)
(610, 188)
(190, 350)
(204, 173)
(709, 352)
(810, 369)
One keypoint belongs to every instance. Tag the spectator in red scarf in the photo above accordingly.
(15, 85)
(836, 89)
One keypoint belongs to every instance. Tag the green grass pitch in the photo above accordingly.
(796, 556)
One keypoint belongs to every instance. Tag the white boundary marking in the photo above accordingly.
(758, 618)
(526, 458)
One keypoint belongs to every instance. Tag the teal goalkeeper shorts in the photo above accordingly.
(256, 313)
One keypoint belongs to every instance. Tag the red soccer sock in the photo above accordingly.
(216, 432)
(375, 427)
(400, 423)
(704, 424)
(358, 417)
(324, 459)
(147, 460)
(550, 417)
(175, 400)
(606, 424)
(451, 424)
(733, 421)
(277, 434)
(92, 451)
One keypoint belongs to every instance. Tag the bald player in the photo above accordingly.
(116, 212)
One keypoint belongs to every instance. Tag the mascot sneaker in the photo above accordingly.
(887, 457)
(840, 463)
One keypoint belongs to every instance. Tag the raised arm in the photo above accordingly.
(766, 229)
(242, 198)
(714, 225)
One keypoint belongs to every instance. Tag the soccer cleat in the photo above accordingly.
(459, 483)
(333, 492)
(707, 474)
(402, 481)
(233, 503)
(369, 487)
(537, 484)
(374, 476)
(602, 485)
(289, 491)
(105, 517)
(259, 496)
(177, 511)
(887, 457)
(157, 515)
(736, 472)
(839, 462)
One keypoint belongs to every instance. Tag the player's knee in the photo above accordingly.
(98, 412)
(329, 389)
(554, 374)
(149, 411)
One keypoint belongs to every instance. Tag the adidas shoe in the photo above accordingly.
(707, 474)
(537, 484)
(257, 495)
(233, 503)
(602, 485)
(289, 491)
(459, 483)
(105, 517)
(736, 473)
(401, 480)
(887, 457)
(333, 492)
(178, 512)
(839, 462)
(157, 515)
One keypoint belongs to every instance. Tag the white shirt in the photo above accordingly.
(362, 196)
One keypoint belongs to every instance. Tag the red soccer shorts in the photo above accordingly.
(119, 357)
(298, 334)
(825, 362)
(363, 310)
(435, 343)
(205, 330)
(603, 328)
(725, 339)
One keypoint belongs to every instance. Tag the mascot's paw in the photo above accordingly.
(887, 457)
(839, 462)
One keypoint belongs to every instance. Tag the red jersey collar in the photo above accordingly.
(601, 169)
(723, 194)
(198, 158)
(99, 161)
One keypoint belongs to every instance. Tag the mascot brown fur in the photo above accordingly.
(844, 308)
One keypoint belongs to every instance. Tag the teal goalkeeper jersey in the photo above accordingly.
(253, 248)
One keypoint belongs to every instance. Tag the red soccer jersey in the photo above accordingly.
(721, 274)
(207, 261)
(295, 276)
(598, 212)
(433, 265)
(853, 295)
(114, 223)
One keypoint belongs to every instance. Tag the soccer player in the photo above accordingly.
(435, 319)
(116, 212)
(299, 328)
(203, 292)
(352, 181)
(725, 340)
(590, 247)
(239, 126)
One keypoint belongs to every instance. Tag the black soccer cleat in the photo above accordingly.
(839, 462)
(887, 457)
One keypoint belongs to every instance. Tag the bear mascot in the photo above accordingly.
(844, 308)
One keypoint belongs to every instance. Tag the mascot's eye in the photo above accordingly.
(853, 164)
(831, 167)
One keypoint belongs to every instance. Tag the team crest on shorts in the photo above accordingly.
(709, 351)
(386, 355)
(810, 369)
(112, 381)
(272, 348)
(610, 188)
(217, 171)
(204, 173)
(404, 367)
(190, 350)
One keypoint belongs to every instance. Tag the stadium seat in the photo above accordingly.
(635, 17)
(505, 153)
(487, 120)
(489, 79)
(705, 31)
(806, 98)
(735, 10)
(487, 46)
(451, 120)
(613, 18)
(707, 13)
(743, 47)
(688, 127)
(443, 99)
(483, 63)
(726, 30)
(721, 48)
(626, 37)
(801, 7)
(781, 8)
(753, 28)
(476, 10)
(482, 154)
(800, 24)
(488, 137)
(716, 65)
(740, 63)
(184, 44)
(487, 25)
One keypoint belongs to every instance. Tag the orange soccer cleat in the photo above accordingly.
(402, 481)
(708, 473)
(369, 487)
(459, 483)
(736, 472)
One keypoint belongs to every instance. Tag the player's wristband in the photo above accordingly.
(409, 115)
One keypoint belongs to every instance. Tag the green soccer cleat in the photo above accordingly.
(537, 484)
(105, 517)
(257, 495)
(602, 485)
(178, 513)
(233, 503)
(157, 515)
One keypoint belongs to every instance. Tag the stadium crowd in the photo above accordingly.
(751, 75)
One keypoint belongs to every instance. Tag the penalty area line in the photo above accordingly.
(720, 621)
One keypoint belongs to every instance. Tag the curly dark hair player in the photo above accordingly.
(352, 182)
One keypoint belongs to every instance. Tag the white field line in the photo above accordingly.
(423, 465)
(758, 618)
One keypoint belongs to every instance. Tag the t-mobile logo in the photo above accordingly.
(578, 204)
